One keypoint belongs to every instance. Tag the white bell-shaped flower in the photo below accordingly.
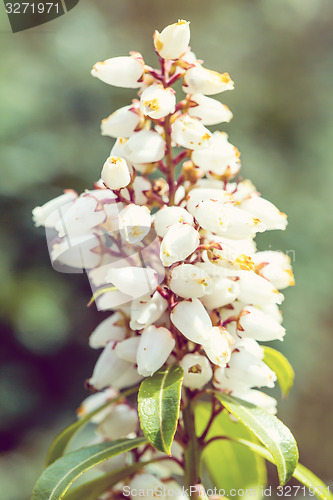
(147, 484)
(115, 173)
(218, 345)
(220, 158)
(190, 133)
(155, 346)
(247, 369)
(275, 267)
(259, 325)
(173, 41)
(254, 289)
(268, 213)
(147, 310)
(128, 377)
(199, 80)
(95, 401)
(134, 223)
(192, 320)
(133, 281)
(258, 398)
(111, 329)
(127, 349)
(208, 110)
(123, 71)
(49, 214)
(179, 242)
(190, 282)
(145, 146)
(199, 195)
(167, 216)
(140, 186)
(122, 123)
(224, 292)
(120, 422)
(84, 214)
(227, 220)
(157, 101)
(78, 252)
(249, 345)
(197, 371)
(108, 368)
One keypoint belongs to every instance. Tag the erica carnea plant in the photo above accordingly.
(166, 237)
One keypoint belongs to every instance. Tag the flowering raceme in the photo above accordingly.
(166, 237)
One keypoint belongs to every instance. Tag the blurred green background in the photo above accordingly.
(280, 55)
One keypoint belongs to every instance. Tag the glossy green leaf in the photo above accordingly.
(230, 465)
(57, 478)
(93, 489)
(158, 404)
(301, 473)
(269, 430)
(281, 366)
(61, 441)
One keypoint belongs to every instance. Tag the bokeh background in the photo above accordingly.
(280, 55)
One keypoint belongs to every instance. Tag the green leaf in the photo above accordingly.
(269, 430)
(281, 366)
(159, 399)
(301, 473)
(57, 478)
(229, 464)
(60, 443)
(93, 489)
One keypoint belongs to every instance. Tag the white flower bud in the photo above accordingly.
(271, 309)
(208, 110)
(95, 401)
(120, 422)
(179, 242)
(122, 123)
(108, 368)
(227, 220)
(258, 325)
(124, 71)
(198, 195)
(111, 329)
(268, 213)
(192, 320)
(249, 345)
(189, 281)
(248, 369)
(155, 346)
(49, 214)
(147, 310)
(275, 267)
(134, 222)
(258, 398)
(115, 173)
(199, 80)
(133, 281)
(167, 216)
(220, 158)
(173, 41)
(145, 146)
(84, 214)
(197, 371)
(77, 252)
(257, 290)
(157, 101)
(224, 292)
(148, 484)
(140, 185)
(128, 377)
(190, 133)
(218, 345)
(127, 349)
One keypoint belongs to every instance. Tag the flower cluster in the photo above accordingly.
(167, 240)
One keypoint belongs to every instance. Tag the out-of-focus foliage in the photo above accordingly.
(279, 53)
